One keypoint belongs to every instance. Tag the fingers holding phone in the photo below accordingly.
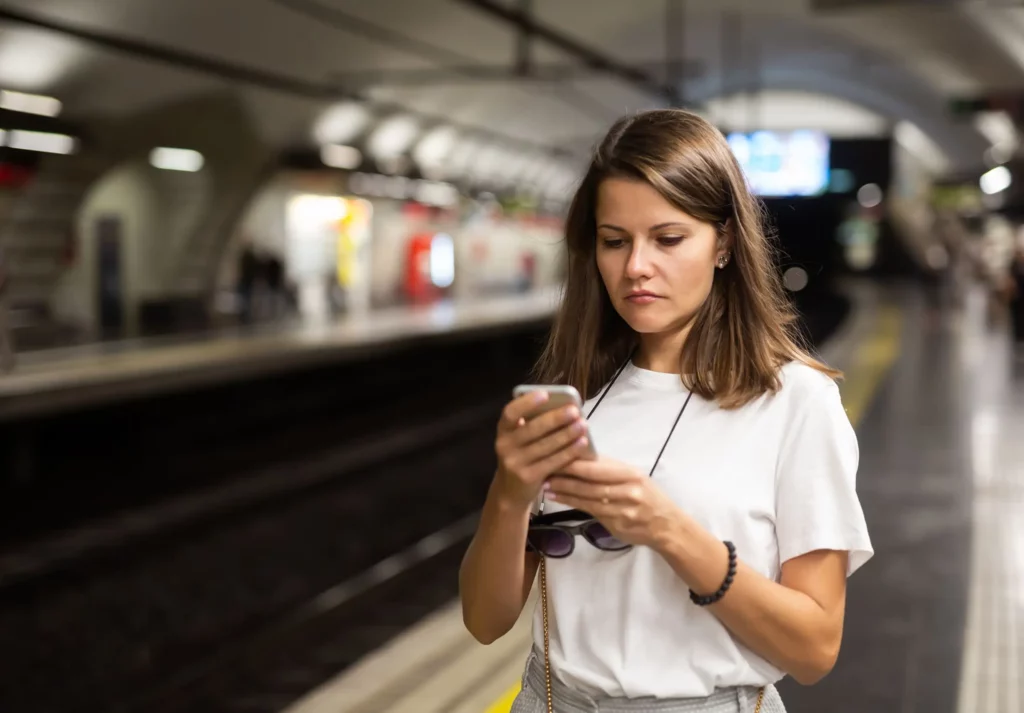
(537, 436)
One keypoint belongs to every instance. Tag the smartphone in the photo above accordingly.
(559, 396)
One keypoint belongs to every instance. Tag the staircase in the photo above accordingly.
(36, 230)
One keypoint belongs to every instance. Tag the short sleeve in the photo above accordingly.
(817, 507)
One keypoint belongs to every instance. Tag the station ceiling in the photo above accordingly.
(453, 62)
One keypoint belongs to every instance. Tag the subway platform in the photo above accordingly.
(59, 379)
(934, 622)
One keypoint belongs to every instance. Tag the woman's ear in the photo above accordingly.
(728, 234)
(725, 243)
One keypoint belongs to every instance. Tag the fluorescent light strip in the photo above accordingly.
(341, 123)
(337, 156)
(29, 103)
(393, 137)
(41, 142)
(996, 180)
(170, 159)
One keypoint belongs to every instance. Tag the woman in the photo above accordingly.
(720, 521)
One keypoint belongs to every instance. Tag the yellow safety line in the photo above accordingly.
(504, 704)
(871, 362)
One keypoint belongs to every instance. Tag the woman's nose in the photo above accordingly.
(638, 264)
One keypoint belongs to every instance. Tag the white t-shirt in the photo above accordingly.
(776, 477)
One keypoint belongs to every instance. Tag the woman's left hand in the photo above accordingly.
(622, 498)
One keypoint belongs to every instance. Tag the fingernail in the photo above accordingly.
(547, 486)
(572, 413)
(582, 441)
(578, 427)
(552, 496)
(539, 396)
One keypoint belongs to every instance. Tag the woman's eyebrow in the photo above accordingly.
(659, 226)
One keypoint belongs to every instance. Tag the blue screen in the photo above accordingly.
(794, 163)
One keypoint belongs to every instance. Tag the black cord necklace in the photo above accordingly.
(674, 424)
(689, 395)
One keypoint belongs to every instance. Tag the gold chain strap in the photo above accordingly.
(547, 640)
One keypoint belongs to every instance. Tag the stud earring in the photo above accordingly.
(723, 261)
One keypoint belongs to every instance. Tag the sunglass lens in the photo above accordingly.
(551, 542)
(602, 539)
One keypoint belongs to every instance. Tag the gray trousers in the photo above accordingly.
(533, 698)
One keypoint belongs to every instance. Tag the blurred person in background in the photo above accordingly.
(6, 340)
(248, 273)
(274, 270)
(1017, 290)
(703, 555)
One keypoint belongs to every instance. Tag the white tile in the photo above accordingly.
(992, 674)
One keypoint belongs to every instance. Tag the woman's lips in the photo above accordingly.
(642, 298)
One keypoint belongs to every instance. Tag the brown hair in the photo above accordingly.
(746, 328)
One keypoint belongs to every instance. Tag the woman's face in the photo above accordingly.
(656, 261)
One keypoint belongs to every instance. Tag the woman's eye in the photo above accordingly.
(670, 240)
(612, 242)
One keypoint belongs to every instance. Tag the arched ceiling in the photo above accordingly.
(893, 60)
(782, 110)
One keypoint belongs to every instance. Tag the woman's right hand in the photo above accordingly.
(530, 451)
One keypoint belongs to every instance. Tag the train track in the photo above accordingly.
(186, 613)
(269, 669)
(117, 539)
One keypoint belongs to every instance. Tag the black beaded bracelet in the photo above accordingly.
(731, 575)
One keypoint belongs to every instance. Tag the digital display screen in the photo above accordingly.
(793, 163)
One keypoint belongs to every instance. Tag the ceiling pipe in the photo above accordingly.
(531, 27)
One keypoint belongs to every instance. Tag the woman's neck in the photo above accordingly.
(661, 352)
